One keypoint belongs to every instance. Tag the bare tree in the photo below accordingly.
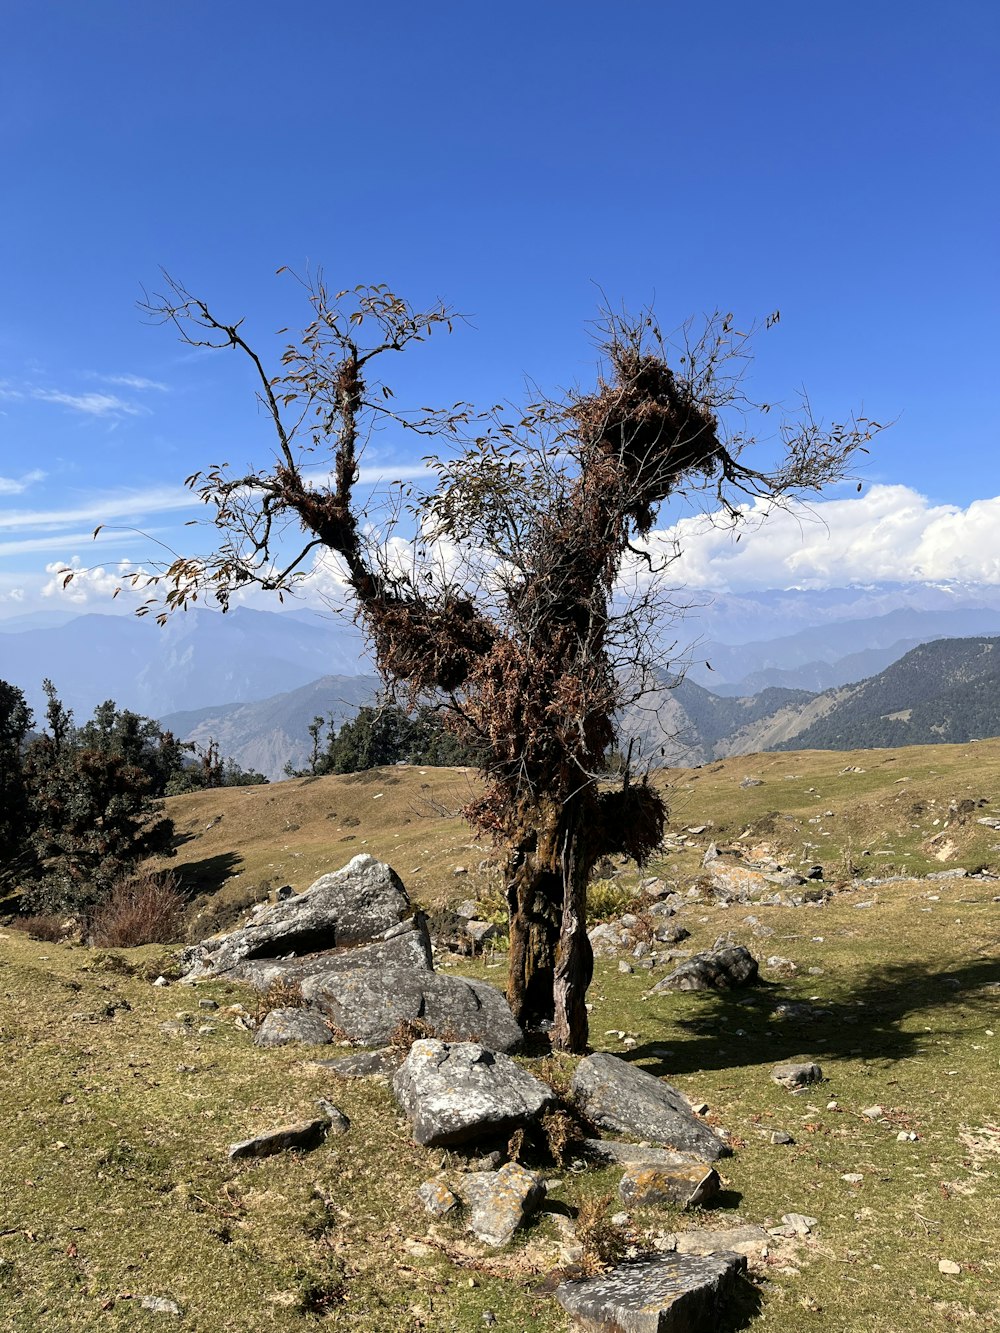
(523, 635)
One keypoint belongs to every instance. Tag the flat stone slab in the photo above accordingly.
(307, 1134)
(362, 1064)
(672, 1293)
(690, 1185)
(625, 1099)
(614, 1152)
(498, 1202)
(750, 1240)
(457, 1092)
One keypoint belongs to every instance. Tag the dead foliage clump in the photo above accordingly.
(50, 927)
(145, 909)
(282, 993)
(604, 1244)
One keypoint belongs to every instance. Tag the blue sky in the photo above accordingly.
(838, 163)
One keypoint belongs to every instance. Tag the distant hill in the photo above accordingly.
(199, 658)
(948, 691)
(268, 733)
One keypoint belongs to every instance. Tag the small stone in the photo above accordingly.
(748, 1240)
(306, 1134)
(161, 981)
(781, 1136)
(460, 870)
(950, 1267)
(799, 1223)
(797, 1074)
(872, 1112)
(905, 1136)
(210, 1005)
(853, 1177)
(833, 1106)
(437, 1198)
(625, 968)
(160, 1305)
(339, 1123)
(499, 1201)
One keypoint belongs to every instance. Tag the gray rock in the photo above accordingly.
(797, 1074)
(480, 932)
(780, 1136)
(748, 1240)
(620, 1097)
(362, 1064)
(798, 1224)
(339, 1122)
(367, 992)
(720, 969)
(160, 1305)
(437, 1198)
(282, 1026)
(458, 1092)
(671, 1293)
(498, 1202)
(670, 934)
(614, 1152)
(353, 905)
(645, 1184)
(307, 1134)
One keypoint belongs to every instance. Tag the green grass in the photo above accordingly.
(116, 1185)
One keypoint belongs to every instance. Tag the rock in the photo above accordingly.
(499, 1201)
(625, 1099)
(480, 932)
(209, 1005)
(644, 1185)
(720, 969)
(437, 1198)
(456, 1092)
(797, 1074)
(624, 967)
(362, 1064)
(950, 1267)
(798, 1223)
(306, 1134)
(752, 782)
(161, 981)
(814, 872)
(853, 1177)
(778, 964)
(748, 1240)
(614, 1152)
(670, 1293)
(670, 934)
(735, 883)
(369, 991)
(350, 906)
(160, 1305)
(781, 1136)
(339, 1122)
(467, 909)
(282, 1026)
(872, 1113)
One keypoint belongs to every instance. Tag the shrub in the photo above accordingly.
(144, 909)
(52, 927)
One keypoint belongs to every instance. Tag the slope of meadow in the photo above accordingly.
(118, 1113)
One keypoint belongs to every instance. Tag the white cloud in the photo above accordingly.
(138, 382)
(91, 404)
(889, 534)
(102, 509)
(15, 485)
(95, 584)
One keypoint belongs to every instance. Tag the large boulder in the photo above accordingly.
(625, 1099)
(458, 1092)
(350, 906)
(719, 969)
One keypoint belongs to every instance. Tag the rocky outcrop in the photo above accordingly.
(363, 991)
(351, 906)
(674, 1293)
(719, 969)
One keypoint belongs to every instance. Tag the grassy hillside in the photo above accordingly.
(236, 842)
(120, 1098)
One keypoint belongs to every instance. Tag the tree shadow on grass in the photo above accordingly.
(764, 1023)
(208, 875)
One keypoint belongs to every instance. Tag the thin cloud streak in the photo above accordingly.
(101, 509)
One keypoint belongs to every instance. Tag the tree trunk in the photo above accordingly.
(534, 893)
(574, 955)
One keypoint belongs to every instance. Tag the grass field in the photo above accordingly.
(116, 1185)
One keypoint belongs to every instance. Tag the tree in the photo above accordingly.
(527, 637)
(93, 812)
(15, 825)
